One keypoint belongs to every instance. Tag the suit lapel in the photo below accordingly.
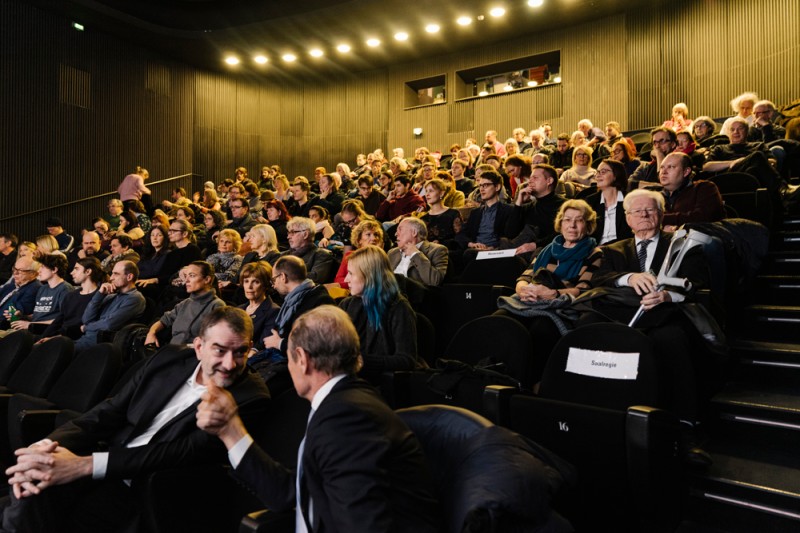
(661, 251)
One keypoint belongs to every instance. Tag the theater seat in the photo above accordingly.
(456, 304)
(14, 348)
(607, 423)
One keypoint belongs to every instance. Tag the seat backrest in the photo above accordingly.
(498, 340)
(729, 182)
(88, 379)
(40, 370)
(426, 339)
(499, 271)
(289, 413)
(604, 365)
(456, 304)
(14, 347)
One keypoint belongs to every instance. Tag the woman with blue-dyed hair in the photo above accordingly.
(385, 322)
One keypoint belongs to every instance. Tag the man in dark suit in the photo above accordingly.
(75, 477)
(359, 466)
(417, 258)
(532, 220)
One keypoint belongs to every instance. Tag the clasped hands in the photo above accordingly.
(45, 464)
(218, 415)
(534, 292)
(645, 283)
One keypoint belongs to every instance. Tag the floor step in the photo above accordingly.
(744, 412)
(786, 240)
(780, 360)
(781, 262)
(780, 289)
(773, 323)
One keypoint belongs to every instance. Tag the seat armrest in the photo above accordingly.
(36, 424)
(265, 521)
(495, 403)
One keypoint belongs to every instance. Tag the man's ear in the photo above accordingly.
(198, 345)
(302, 360)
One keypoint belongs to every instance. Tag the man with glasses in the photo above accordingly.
(487, 224)
(114, 211)
(21, 295)
(318, 261)
(369, 195)
(241, 220)
(665, 141)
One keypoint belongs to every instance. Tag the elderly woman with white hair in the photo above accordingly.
(680, 120)
(743, 106)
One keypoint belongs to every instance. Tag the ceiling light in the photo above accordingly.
(232, 60)
(289, 57)
(557, 79)
(533, 83)
(401, 36)
(464, 21)
(343, 48)
(432, 28)
(497, 12)
(373, 42)
(78, 26)
(535, 3)
(261, 60)
(483, 93)
(507, 87)
(316, 52)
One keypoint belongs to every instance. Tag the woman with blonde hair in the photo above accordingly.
(384, 320)
(581, 172)
(227, 261)
(367, 232)
(263, 245)
(46, 245)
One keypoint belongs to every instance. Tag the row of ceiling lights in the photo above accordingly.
(374, 42)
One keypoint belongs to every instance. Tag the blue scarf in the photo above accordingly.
(569, 260)
(290, 305)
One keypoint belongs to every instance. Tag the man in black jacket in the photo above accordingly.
(359, 467)
(77, 477)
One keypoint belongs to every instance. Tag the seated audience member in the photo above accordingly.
(300, 294)
(581, 174)
(621, 151)
(223, 188)
(55, 228)
(277, 217)
(148, 426)
(458, 170)
(417, 258)
(352, 215)
(263, 245)
(178, 197)
(383, 318)
(319, 262)
(687, 200)
(18, 298)
(453, 197)
(442, 222)
(210, 201)
(561, 157)
(680, 120)
(362, 469)
(763, 129)
(613, 136)
(322, 225)
(241, 221)
(49, 297)
(534, 212)
(631, 263)
(153, 276)
(491, 140)
(743, 106)
(8, 255)
(88, 275)
(302, 198)
(518, 169)
(475, 199)
(426, 172)
(214, 222)
(742, 156)
(235, 192)
(227, 261)
(537, 144)
(519, 136)
(401, 201)
(593, 136)
(366, 233)
(687, 145)
(612, 182)
(665, 141)
(563, 267)
(512, 148)
(91, 246)
(184, 250)
(329, 195)
(577, 139)
(369, 195)
(113, 305)
(255, 279)
(140, 212)
(384, 177)
(121, 250)
(46, 245)
(183, 322)
(112, 217)
(486, 225)
(703, 132)
(186, 213)
(253, 197)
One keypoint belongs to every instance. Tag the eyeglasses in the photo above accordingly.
(661, 141)
(21, 270)
(645, 211)
(276, 276)
(293, 231)
(237, 206)
(171, 230)
(350, 223)
(605, 171)
(486, 185)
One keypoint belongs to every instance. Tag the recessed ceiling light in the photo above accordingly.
(497, 12)
(261, 60)
(401, 36)
(373, 42)
(464, 21)
(557, 79)
(432, 28)
(535, 3)
(533, 83)
(343, 48)
(232, 60)
(507, 87)
(483, 93)
(289, 57)
(78, 26)
(316, 52)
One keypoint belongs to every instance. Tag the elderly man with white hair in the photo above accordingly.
(415, 257)
(319, 261)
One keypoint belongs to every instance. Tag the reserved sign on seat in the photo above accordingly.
(600, 364)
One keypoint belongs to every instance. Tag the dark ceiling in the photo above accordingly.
(202, 32)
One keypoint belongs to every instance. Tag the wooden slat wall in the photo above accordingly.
(172, 119)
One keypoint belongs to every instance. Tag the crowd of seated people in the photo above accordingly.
(568, 204)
